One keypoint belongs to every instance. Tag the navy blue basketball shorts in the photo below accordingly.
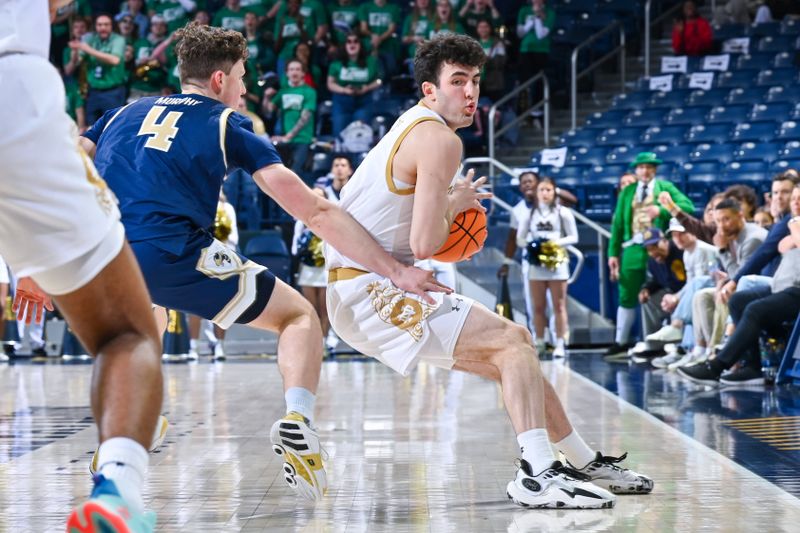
(208, 279)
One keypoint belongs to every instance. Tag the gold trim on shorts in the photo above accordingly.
(344, 274)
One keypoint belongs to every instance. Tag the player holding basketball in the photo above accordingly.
(165, 158)
(400, 195)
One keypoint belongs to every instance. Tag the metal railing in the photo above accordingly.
(602, 233)
(648, 25)
(545, 102)
(575, 75)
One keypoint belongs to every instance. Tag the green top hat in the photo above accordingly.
(646, 158)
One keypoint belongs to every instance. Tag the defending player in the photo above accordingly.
(60, 230)
(165, 159)
(400, 195)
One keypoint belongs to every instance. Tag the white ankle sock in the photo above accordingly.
(535, 449)
(124, 461)
(576, 450)
(561, 343)
(625, 319)
(193, 344)
(301, 401)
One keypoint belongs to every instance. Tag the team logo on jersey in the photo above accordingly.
(394, 308)
(221, 258)
(218, 261)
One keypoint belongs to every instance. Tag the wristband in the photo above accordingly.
(508, 261)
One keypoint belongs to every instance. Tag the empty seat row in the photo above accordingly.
(759, 76)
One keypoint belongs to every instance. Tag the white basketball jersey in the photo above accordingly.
(378, 201)
(25, 27)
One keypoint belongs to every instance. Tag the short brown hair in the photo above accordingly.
(445, 48)
(202, 50)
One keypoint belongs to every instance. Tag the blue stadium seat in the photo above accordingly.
(746, 95)
(775, 43)
(714, 133)
(765, 29)
(701, 167)
(678, 154)
(609, 119)
(699, 187)
(771, 77)
(717, 152)
(746, 167)
(630, 101)
(783, 165)
(587, 156)
(670, 99)
(735, 78)
(796, 112)
(645, 117)
(790, 27)
(600, 199)
(668, 169)
(729, 113)
(789, 131)
(729, 31)
(578, 138)
(777, 111)
(576, 6)
(619, 136)
(754, 132)
(789, 94)
(623, 154)
(269, 249)
(790, 150)
(711, 97)
(508, 193)
(687, 116)
(664, 134)
(569, 171)
(753, 61)
(783, 60)
(750, 151)
(606, 171)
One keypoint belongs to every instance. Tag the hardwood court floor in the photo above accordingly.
(428, 453)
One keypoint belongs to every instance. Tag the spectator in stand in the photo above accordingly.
(637, 210)
(104, 53)
(754, 312)
(534, 24)
(445, 21)
(763, 218)
(75, 103)
(262, 9)
(352, 78)
(733, 12)
(691, 33)
(149, 76)
(61, 26)
(297, 103)
(135, 10)
(775, 10)
(474, 11)
(231, 16)
(666, 277)
(302, 52)
(71, 60)
(379, 20)
(260, 56)
(290, 29)
(316, 21)
(493, 79)
(202, 17)
(175, 12)
(417, 26)
(344, 20)
(747, 198)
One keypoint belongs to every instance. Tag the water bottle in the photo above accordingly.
(769, 359)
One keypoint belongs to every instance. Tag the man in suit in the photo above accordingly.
(637, 210)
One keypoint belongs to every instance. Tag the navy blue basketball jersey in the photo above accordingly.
(166, 158)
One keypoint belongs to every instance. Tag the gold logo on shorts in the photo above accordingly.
(398, 310)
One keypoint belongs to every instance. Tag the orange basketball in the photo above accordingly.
(467, 235)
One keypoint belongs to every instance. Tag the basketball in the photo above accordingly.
(467, 235)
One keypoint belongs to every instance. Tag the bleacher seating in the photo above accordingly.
(270, 250)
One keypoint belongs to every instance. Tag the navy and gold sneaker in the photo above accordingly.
(604, 472)
(297, 443)
(556, 487)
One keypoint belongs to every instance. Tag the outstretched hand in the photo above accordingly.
(30, 301)
(465, 194)
(420, 282)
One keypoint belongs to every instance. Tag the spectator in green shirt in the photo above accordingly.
(313, 74)
(379, 21)
(290, 29)
(474, 11)
(493, 76)
(534, 24)
(258, 50)
(445, 21)
(231, 16)
(105, 66)
(72, 60)
(175, 12)
(315, 18)
(75, 103)
(61, 25)
(352, 80)
(149, 76)
(135, 10)
(344, 19)
(296, 103)
(417, 25)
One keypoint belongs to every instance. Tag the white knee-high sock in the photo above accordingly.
(124, 461)
(535, 449)
(576, 450)
(301, 401)
(625, 319)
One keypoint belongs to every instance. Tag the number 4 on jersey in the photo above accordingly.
(162, 133)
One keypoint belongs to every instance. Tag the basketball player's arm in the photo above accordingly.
(433, 153)
(340, 230)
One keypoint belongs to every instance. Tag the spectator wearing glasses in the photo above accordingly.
(135, 10)
(352, 78)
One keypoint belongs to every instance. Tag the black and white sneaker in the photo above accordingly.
(604, 472)
(744, 376)
(703, 374)
(557, 487)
